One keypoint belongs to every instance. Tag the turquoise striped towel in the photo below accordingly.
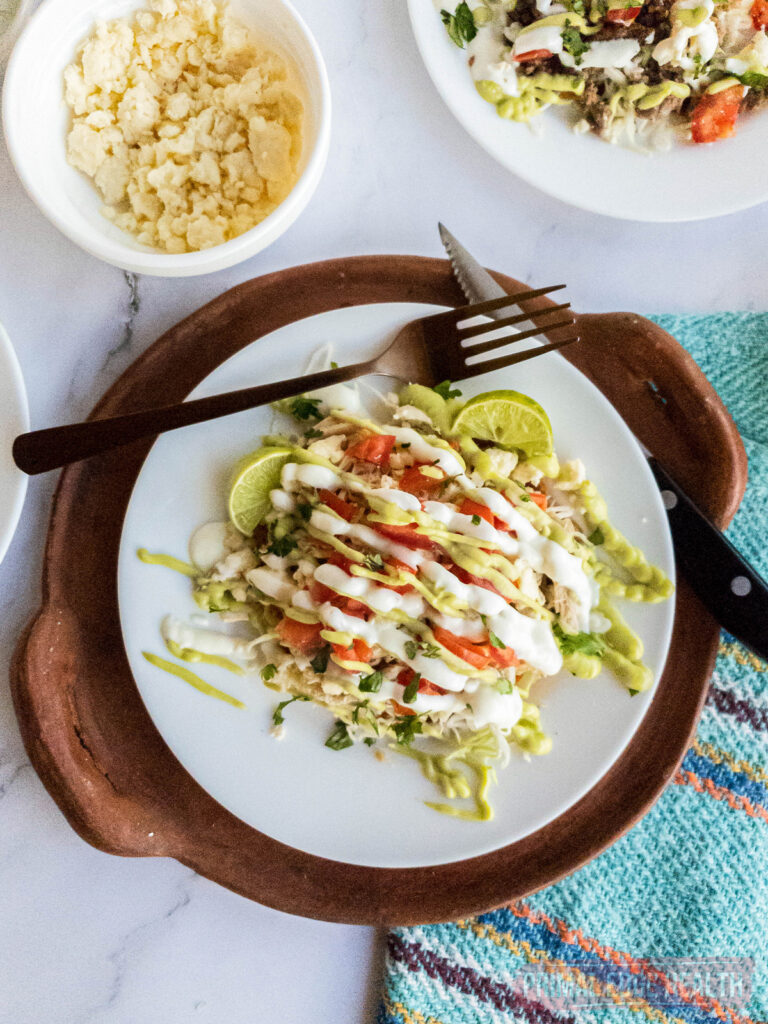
(670, 924)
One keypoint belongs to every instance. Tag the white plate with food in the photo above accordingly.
(475, 645)
(649, 78)
(14, 420)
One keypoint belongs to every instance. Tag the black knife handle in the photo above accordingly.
(729, 588)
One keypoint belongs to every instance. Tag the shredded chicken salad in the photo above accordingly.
(645, 74)
(416, 582)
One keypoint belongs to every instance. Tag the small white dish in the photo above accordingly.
(36, 121)
(346, 805)
(688, 182)
(14, 419)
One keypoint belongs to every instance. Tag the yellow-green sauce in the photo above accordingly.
(168, 562)
(192, 679)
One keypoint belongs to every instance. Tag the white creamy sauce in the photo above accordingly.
(381, 599)
(480, 600)
(308, 474)
(327, 523)
(530, 639)
(686, 42)
(608, 53)
(282, 500)
(204, 640)
(423, 451)
(470, 627)
(207, 545)
(277, 585)
(543, 37)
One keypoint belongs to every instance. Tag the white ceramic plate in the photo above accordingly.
(14, 419)
(346, 805)
(689, 182)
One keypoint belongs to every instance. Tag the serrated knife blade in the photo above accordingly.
(723, 581)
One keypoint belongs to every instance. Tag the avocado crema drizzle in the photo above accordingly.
(465, 771)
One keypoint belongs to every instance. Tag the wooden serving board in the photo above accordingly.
(101, 758)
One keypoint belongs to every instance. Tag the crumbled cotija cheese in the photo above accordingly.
(190, 130)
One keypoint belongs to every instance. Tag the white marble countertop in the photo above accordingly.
(86, 938)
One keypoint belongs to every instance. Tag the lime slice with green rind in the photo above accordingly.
(508, 419)
(254, 476)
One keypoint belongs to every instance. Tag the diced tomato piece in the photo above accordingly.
(405, 676)
(714, 116)
(320, 593)
(358, 651)
(538, 498)
(476, 655)
(470, 578)
(350, 606)
(395, 563)
(623, 15)
(303, 637)
(404, 534)
(503, 657)
(342, 562)
(474, 508)
(373, 448)
(401, 709)
(759, 12)
(423, 486)
(532, 55)
(346, 509)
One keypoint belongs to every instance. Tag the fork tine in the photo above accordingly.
(511, 339)
(498, 364)
(471, 332)
(465, 312)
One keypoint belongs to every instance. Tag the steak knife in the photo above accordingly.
(722, 580)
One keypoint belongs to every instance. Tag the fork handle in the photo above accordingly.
(41, 450)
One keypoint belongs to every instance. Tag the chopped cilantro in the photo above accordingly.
(320, 661)
(597, 536)
(339, 738)
(360, 706)
(303, 408)
(581, 643)
(406, 729)
(371, 683)
(754, 80)
(633, 693)
(268, 672)
(373, 562)
(505, 686)
(430, 650)
(369, 741)
(282, 546)
(495, 642)
(311, 434)
(475, 519)
(277, 715)
(334, 365)
(409, 694)
(444, 389)
(305, 511)
(411, 649)
(460, 26)
(573, 43)
(577, 6)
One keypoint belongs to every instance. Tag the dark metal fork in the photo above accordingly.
(426, 351)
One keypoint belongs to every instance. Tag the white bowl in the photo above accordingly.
(36, 120)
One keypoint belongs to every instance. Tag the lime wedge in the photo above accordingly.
(509, 419)
(253, 478)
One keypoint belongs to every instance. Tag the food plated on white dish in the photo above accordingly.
(14, 417)
(192, 134)
(649, 74)
(314, 768)
(653, 80)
